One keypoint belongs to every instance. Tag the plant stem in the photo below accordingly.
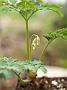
(18, 76)
(20, 79)
(27, 39)
(30, 57)
(44, 51)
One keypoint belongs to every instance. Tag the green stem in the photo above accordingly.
(30, 57)
(18, 76)
(32, 14)
(20, 79)
(27, 39)
(44, 51)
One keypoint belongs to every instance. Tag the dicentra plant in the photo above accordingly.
(27, 8)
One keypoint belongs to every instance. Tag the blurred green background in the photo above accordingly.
(13, 40)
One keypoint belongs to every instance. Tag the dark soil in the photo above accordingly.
(45, 83)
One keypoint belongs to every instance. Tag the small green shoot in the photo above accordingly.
(51, 36)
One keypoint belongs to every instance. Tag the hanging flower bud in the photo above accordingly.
(35, 42)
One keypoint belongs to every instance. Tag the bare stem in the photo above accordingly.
(44, 51)
(30, 56)
(27, 39)
(20, 79)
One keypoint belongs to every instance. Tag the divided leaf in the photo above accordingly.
(6, 8)
(61, 33)
(28, 7)
(52, 7)
(12, 1)
(20, 66)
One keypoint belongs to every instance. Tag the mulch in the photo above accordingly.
(45, 83)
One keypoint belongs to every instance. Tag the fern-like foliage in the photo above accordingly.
(20, 66)
(28, 7)
(61, 33)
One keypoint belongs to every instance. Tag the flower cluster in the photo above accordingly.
(35, 42)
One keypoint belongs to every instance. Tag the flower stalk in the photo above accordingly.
(44, 50)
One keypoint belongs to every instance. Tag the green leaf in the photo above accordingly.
(6, 74)
(6, 9)
(51, 7)
(61, 33)
(19, 66)
(12, 1)
(43, 69)
(3, 2)
(28, 7)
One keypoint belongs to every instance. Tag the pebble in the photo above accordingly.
(54, 82)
